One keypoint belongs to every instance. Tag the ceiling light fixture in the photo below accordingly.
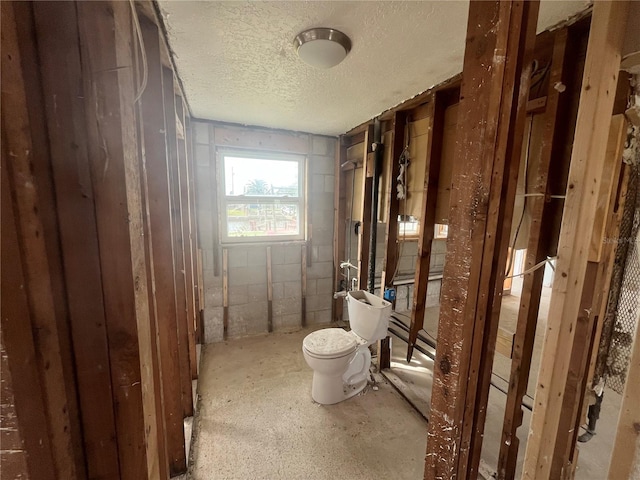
(322, 47)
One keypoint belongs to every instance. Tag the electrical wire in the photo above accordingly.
(143, 52)
(524, 205)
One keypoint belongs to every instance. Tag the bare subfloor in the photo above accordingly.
(257, 420)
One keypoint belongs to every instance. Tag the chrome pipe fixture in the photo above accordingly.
(348, 265)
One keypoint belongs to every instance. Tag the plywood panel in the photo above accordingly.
(446, 165)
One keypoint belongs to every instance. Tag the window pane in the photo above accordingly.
(262, 219)
(261, 177)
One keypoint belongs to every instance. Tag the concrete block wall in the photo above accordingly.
(247, 264)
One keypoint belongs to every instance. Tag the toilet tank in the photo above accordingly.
(368, 315)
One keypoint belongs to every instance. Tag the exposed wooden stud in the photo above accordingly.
(303, 286)
(17, 334)
(390, 261)
(339, 228)
(195, 240)
(28, 170)
(156, 352)
(588, 159)
(269, 292)
(225, 292)
(187, 235)
(384, 353)
(178, 218)
(427, 218)
(109, 106)
(159, 205)
(365, 203)
(594, 297)
(497, 68)
(537, 249)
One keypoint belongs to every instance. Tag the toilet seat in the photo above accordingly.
(330, 343)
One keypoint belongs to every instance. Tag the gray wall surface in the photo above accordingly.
(247, 275)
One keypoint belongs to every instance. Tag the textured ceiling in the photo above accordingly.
(238, 64)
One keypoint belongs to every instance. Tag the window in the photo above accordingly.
(262, 196)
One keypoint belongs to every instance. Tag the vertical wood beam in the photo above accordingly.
(225, 292)
(303, 286)
(339, 226)
(597, 282)
(65, 117)
(195, 240)
(156, 353)
(427, 218)
(390, 262)
(160, 221)
(187, 235)
(537, 249)
(365, 225)
(106, 39)
(178, 241)
(587, 162)
(500, 40)
(27, 168)
(17, 333)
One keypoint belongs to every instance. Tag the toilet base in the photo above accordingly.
(329, 390)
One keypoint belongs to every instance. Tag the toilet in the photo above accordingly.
(340, 360)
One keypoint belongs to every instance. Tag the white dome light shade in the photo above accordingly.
(322, 47)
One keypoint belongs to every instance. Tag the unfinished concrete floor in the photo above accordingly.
(257, 420)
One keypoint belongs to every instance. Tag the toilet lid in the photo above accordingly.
(330, 342)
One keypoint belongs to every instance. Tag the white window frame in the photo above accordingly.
(224, 199)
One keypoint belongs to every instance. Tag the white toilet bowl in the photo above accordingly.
(341, 360)
(340, 363)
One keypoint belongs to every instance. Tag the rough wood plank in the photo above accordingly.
(225, 291)
(365, 208)
(156, 353)
(587, 161)
(500, 38)
(178, 241)
(159, 204)
(195, 240)
(109, 95)
(303, 286)
(594, 299)
(17, 334)
(187, 235)
(537, 249)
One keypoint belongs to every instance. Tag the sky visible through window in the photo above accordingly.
(257, 176)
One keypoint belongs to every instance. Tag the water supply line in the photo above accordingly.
(378, 149)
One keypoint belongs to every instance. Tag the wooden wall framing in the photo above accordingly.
(86, 192)
(483, 193)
